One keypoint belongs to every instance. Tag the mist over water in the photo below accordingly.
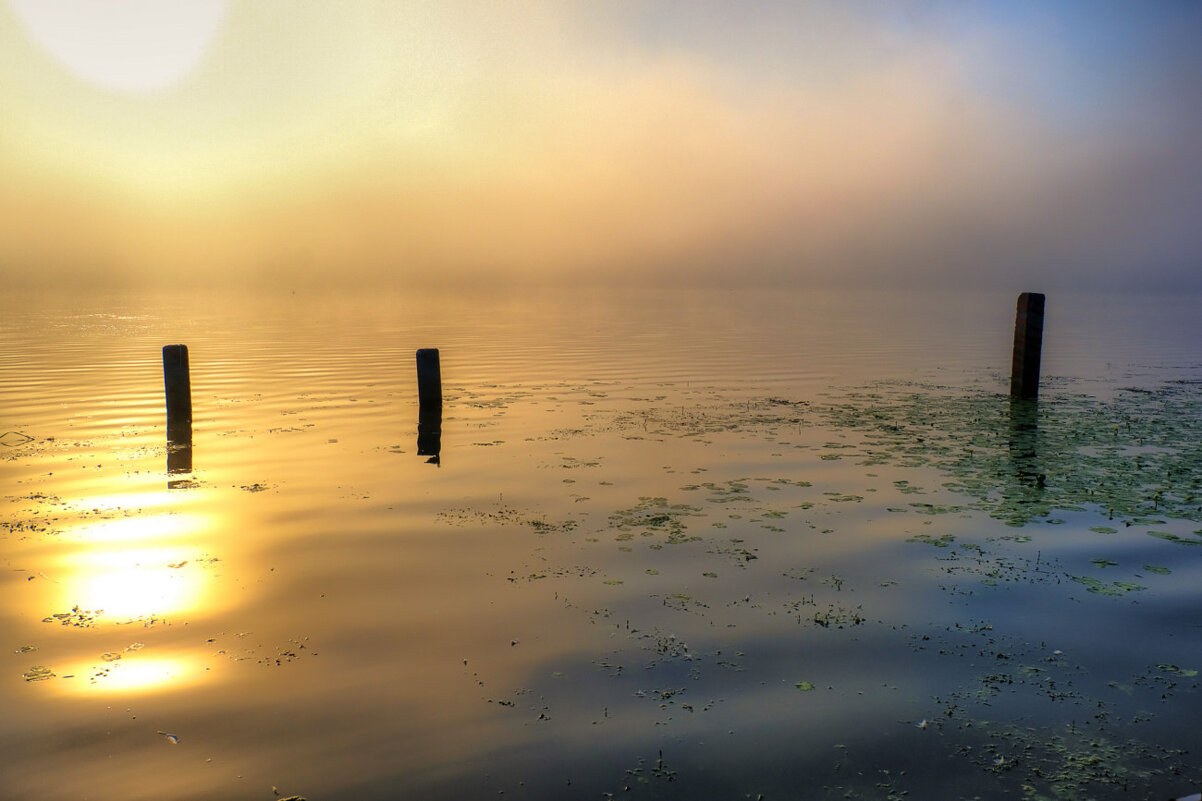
(788, 145)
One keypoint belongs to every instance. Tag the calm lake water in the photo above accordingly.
(792, 545)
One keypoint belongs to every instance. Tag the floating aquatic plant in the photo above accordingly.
(1102, 588)
(1137, 456)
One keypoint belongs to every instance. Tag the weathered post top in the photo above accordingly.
(1028, 341)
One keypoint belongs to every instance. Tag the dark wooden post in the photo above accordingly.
(1028, 339)
(178, 385)
(429, 395)
(429, 376)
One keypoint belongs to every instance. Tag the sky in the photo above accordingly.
(1025, 145)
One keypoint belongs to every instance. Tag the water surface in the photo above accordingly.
(675, 545)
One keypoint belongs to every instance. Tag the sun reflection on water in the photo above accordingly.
(129, 500)
(135, 584)
(131, 674)
(136, 528)
(147, 568)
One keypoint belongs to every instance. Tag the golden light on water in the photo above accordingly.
(137, 566)
(134, 528)
(129, 673)
(135, 584)
(128, 500)
(103, 583)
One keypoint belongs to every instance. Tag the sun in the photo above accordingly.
(136, 46)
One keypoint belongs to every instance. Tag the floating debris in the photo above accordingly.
(38, 673)
(12, 439)
(80, 618)
(1185, 672)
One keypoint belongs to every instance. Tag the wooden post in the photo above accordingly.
(429, 376)
(1028, 339)
(178, 384)
(429, 394)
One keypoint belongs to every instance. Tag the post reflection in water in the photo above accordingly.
(1025, 455)
(429, 431)
(179, 450)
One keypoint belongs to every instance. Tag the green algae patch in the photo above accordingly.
(935, 509)
(942, 541)
(1115, 588)
(1137, 456)
(1174, 538)
(1076, 764)
(804, 686)
(724, 492)
(655, 517)
(1060, 761)
(788, 482)
(1188, 673)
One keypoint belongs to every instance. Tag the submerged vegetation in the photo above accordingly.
(1136, 457)
(1037, 726)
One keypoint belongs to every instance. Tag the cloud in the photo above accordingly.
(789, 144)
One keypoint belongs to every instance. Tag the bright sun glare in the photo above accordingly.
(126, 45)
